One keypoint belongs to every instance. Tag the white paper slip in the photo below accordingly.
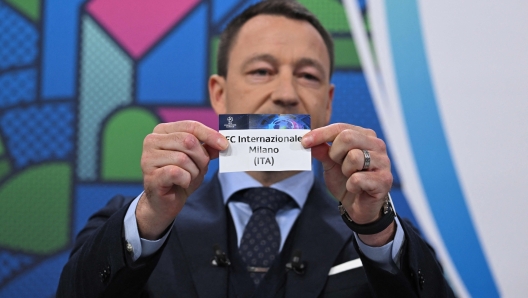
(264, 142)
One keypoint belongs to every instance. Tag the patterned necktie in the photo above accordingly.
(261, 238)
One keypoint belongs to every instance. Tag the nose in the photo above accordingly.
(285, 93)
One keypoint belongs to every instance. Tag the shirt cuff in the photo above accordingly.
(387, 256)
(140, 247)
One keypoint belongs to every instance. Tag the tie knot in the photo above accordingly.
(265, 197)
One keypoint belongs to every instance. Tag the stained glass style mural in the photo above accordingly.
(83, 82)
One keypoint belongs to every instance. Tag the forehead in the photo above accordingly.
(279, 35)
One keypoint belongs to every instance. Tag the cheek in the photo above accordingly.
(318, 108)
(247, 99)
(239, 101)
(318, 121)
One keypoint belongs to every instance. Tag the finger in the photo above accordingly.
(166, 177)
(174, 158)
(212, 152)
(334, 179)
(348, 140)
(320, 152)
(355, 160)
(375, 184)
(175, 142)
(202, 132)
(329, 133)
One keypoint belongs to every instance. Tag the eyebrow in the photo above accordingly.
(273, 61)
(311, 62)
(261, 57)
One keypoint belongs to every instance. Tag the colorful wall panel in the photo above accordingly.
(82, 83)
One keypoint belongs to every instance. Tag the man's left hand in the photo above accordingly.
(361, 191)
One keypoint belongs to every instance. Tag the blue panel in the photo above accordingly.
(431, 151)
(59, 54)
(18, 39)
(17, 87)
(362, 4)
(92, 197)
(212, 170)
(40, 281)
(353, 104)
(11, 263)
(39, 133)
(221, 8)
(219, 27)
(352, 101)
(175, 71)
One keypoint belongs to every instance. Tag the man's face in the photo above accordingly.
(276, 66)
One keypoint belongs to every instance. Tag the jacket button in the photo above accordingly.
(421, 279)
(105, 274)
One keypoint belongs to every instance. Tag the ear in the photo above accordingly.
(329, 103)
(217, 94)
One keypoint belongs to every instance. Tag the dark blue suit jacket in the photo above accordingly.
(100, 266)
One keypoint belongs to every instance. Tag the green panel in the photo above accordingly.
(5, 168)
(31, 8)
(213, 54)
(35, 213)
(366, 22)
(2, 150)
(345, 53)
(331, 13)
(123, 143)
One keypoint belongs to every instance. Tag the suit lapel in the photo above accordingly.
(201, 224)
(320, 236)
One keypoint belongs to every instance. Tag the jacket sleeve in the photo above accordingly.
(99, 265)
(419, 275)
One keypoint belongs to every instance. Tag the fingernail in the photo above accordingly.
(222, 142)
(307, 141)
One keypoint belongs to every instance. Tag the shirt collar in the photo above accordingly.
(297, 186)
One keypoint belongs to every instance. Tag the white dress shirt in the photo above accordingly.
(297, 187)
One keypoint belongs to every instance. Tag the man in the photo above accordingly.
(182, 238)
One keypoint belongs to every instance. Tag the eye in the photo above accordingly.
(310, 77)
(261, 72)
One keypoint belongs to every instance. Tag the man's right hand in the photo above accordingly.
(174, 162)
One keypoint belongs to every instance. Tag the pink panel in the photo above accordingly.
(138, 24)
(204, 115)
